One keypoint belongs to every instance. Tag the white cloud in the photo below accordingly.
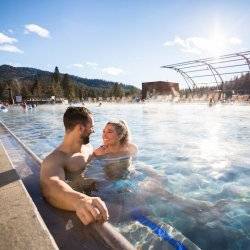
(200, 45)
(42, 32)
(92, 64)
(7, 39)
(82, 65)
(78, 65)
(6, 44)
(10, 48)
(14, 64)
(10, 31)
(50, 66)
(112, 71)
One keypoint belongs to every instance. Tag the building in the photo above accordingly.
(150, 89)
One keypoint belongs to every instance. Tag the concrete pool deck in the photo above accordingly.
(21, 225)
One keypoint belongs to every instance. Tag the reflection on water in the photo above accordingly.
(200, 154)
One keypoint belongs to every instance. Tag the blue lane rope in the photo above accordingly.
(162, 233)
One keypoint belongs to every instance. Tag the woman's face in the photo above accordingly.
(109, 135)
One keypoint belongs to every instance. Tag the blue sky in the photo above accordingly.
(124, 41)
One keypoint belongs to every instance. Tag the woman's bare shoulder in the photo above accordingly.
(132, 148)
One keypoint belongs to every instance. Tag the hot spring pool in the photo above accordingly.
(200, 154)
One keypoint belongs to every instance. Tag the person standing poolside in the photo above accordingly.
(70, 159)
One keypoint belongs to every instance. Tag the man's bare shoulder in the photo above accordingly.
(53, 166)
(55, 156)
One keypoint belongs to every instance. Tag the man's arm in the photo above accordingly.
(59, 194)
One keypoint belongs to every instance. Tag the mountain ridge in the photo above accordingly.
(8, 72)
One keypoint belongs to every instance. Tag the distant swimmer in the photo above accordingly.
(211, 102)
(24, 106)
(31, 106)
(3, 109)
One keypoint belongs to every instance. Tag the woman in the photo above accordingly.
(110, 161)
(116, 140)
(110, 170)
(116, 150)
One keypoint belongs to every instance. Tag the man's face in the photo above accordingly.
(88, 130)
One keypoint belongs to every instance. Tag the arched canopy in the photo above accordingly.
(213, 70)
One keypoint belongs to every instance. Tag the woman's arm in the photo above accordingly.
(99, 151)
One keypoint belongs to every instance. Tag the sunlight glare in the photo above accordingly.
(217, 44)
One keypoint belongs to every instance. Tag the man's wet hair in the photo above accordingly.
(74, 116)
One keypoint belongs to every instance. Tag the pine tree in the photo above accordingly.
(68, 88)
(56, 84)
(65, 84)
(47, 90)
(26, 94)
(117, 90)
(246, 83)
(15, 86)
(80, 92)
(83, 93)
(56, 75)
(104, 94)
(57, 89)
(36, 88)
(4, 92)
(92, 93)
(132, 91)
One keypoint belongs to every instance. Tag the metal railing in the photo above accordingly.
(212, 70)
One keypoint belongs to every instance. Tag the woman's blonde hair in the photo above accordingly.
(122, 130)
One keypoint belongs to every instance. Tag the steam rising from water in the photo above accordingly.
(201, 153)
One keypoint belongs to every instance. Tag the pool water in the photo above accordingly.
(200, 155)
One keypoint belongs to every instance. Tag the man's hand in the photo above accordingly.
(91, 209)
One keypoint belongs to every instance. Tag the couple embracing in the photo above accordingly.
(68, 161)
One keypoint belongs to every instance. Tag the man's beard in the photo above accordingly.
(85, 139)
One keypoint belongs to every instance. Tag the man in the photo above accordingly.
(71, 157)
